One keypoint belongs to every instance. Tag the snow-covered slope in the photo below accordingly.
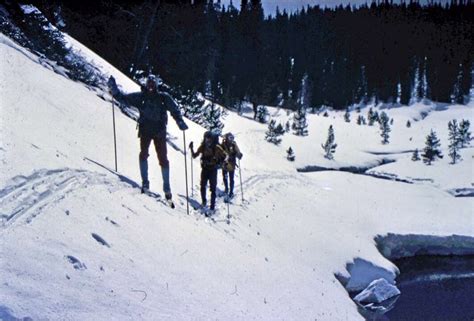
(79, 242)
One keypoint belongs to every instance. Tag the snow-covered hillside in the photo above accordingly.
(79, 242)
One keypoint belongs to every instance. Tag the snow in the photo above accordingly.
(277, 260)
(378, 291)
(29, 9)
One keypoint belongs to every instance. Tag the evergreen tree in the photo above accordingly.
(192, 105)
(360, 120)
(299, 122)
(330, 146)
(347, 116)
(213, 116)
(384, 127)
(370, 117)
(325, 114)
(274, 132)
(416, 156)
(287, 126)
(408, 124)
(464, 133)
(454, 141)
(262, 113)
(431, 150)
(290, 155)
(391, 121)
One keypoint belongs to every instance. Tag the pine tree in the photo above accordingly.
(299, 122)
(391, 121)
(193, 106)
(384, 128)
(431, 150)
(408, 124)
(464, 133)
(287, 126)
(454, 141)
(370, 117)
(330, 146)
(213, 115)
(347, 116)
(274, 132)
(360, 120)
(325, 114)
(290, 155)
(416, 155)
(262, 113)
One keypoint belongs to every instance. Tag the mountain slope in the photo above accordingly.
(79, 242)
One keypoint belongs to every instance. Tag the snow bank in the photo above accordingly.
(394, 246)
(363, 273)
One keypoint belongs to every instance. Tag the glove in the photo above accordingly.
(191, 145)
(182, 125)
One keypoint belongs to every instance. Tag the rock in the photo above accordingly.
(378, 291)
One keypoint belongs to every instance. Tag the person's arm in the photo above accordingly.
(221, 153)
(172, 107)
(132, 99)
(237, 151)
(195, 154)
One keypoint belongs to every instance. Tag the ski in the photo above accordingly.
(160, 199)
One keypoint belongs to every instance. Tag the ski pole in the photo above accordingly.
(115, 138)
(192, 177)
(241, 187)
(186, 172)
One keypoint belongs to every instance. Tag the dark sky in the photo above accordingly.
(269, 6)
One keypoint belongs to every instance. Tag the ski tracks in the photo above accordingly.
(27, 196)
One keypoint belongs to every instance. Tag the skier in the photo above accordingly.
(228, 169)
(152, 105)
(212, 155)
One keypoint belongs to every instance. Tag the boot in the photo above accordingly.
(144, 173)
(165, 174)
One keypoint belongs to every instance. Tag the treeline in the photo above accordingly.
(394, 53)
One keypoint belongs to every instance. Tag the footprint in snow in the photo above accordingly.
(100, 240)
(78, 265)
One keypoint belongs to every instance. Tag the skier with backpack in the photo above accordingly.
(212, 156)
(228, 169)
(153, 106)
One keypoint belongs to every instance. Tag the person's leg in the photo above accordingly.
(162, 153)
(204, 178)
(143, 163)
(213, 185)
(224, 176)
(231, 178)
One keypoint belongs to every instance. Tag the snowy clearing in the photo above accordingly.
(79, 242)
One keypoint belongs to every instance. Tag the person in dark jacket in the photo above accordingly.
(153, 106)
(212, 155)
(228, 169)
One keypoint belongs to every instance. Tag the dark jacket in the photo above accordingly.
(153, 107)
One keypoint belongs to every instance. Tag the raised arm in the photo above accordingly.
(128, 99)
